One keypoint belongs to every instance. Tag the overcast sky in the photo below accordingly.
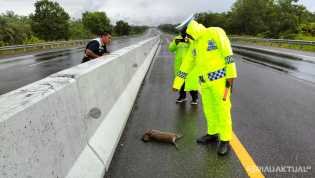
(147, 12)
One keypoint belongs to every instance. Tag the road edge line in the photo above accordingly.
(244, 157)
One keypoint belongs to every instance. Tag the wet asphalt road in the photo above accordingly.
(302, 68)
(155, 108)
(288, 51)
(18, 71)
(273, 116)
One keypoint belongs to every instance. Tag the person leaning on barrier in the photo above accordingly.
(180, 46)
(97, 47)
(212, 58)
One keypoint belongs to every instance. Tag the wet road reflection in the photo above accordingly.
(272, 114)
(19, 71)
(302, 69)
(155, 108)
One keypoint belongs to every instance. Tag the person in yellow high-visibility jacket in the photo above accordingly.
(213, 60)
(180, 46)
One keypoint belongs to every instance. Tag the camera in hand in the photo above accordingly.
(182, 40)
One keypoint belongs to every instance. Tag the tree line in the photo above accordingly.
(261, 18)
(50, 22)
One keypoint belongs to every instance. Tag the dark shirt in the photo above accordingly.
(96, 48)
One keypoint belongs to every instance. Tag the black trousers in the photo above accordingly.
(182, 93)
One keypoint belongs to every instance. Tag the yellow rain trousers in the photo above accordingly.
(211, 55)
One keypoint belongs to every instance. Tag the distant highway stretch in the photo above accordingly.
(18, 71)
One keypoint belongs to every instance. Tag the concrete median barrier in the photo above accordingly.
(69, 124)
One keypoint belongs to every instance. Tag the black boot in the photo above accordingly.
(181, 100)
(182, 95)
(194, 102)
(194, 96)
(223, 148)
(206, 139)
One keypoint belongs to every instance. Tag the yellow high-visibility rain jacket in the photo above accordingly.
(180, 51)
(210, 51)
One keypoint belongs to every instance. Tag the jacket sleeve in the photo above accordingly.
(227, 53)
(186, 67)
(172, 46)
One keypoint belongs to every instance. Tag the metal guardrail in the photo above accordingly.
(301, 43)
(44, 45)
